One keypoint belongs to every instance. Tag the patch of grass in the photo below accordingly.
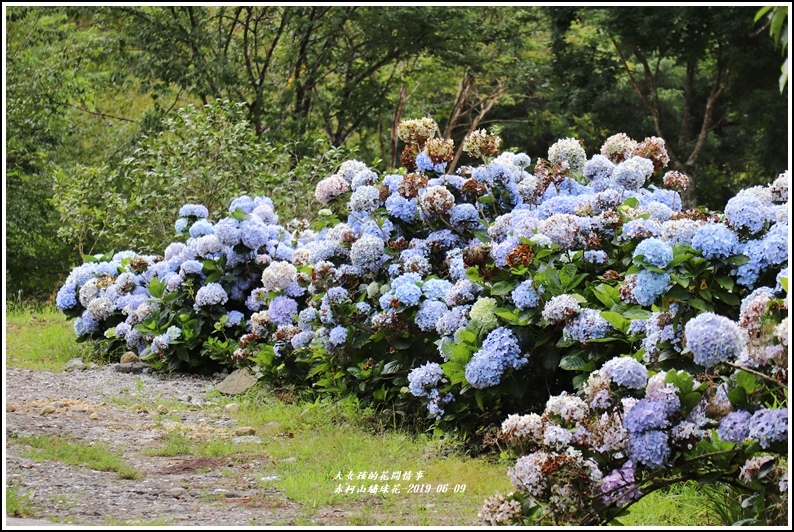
(18, 505)
(684, 504)
(310, 454)
(97, 456)
(114, 521)
(175, 443)
(40, 339)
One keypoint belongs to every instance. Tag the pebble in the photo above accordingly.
(49, 409)
(129, 356)
(162, 409)
(75, 364)
(175, 492)
(11, 408)
(94, 416)
(232, 407)
(244, 431)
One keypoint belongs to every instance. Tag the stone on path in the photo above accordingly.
(238, 382)
(128, 357)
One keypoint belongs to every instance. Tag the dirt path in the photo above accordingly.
(103, 406)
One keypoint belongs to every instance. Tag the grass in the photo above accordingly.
(97, 456)
(39, 338)
(18, 505)
(680, 505)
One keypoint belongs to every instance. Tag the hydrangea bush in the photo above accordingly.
(626, 340)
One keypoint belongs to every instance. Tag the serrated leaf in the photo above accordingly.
(700, 305)
(738, 260)
(747, 381)
(572, 363)
(728, 298)
(392, 367)
(486, 200)
(506, 315)
(631, 202)
(237, 382)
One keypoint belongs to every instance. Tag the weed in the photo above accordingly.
(18, 505)
(97, 456)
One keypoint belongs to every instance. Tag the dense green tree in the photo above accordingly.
(699, 77)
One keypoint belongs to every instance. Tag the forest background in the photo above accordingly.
(116, 116)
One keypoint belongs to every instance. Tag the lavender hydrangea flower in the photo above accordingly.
(424, 378)
(626, 372)
(646, 415)
(201, 228)
(598, 168)
(228, 231)
(586, 326)
(746, 212)
(402, 208)
(406, 289)
(618, 487)
(596, 256)
(735, 427)
(769, 425)
(641, 228)
(649, 448)
(425, 164)
(655, 252)
(713, 339)
(560, 308)
(365, 199)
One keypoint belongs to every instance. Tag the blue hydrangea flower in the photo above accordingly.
(425, 164)
(337, 294)
(362, 307)
(429, 313)
(598, 168)
(586, 326)
(713, 339)
(464, 215)
(211, 294)
(649, 448)
(207, 246)
(234, 317)
(244, 203)
(402, 208)
(338, 335)
(500, 351)
(626, 372)
(191, 267)
(367, 253)
(632, 173)
(436, 288)
(180, 225)
(424, 378)
(658, 211)
(302, 339)
(649, 286)
(525, 296)
(769, 425)
(747, 213)
(228, 231)
(363, 177)
(85, 325)
(597, 256)
(452, 320)
(735, 427)
(783, 274)
(715, 241)
(67, 297)
(196, 210)
(641, 228)
(253, 233)
(365, 199)
(655, 252)
(200, 228)
(406, 289)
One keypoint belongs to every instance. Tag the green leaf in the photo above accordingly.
(579, 380)
(572, 363)
(482, 236)
(700, 305)
(486, 200)
(747, 381)
(393, 366)
(631, 202)
(507, 315)
(502, 287)
(728, 298)
(479, 398)
(616, 320)
(473, 274)
(738, 260)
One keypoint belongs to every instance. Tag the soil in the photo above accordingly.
(104, 406)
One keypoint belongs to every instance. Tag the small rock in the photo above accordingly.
(231, 407)
(162, 409)
(139, 408)
(290, 459)
(131, 367)
(75, 364)
(244, 431)
(175, 492)
(246, 439)
(49, 409)
(94, 416)
(11, 408)
(129, 356)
